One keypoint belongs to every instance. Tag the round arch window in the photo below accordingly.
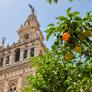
(13, 88)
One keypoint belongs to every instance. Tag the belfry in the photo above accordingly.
(14, 59)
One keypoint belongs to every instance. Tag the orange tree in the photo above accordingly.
(67, 67)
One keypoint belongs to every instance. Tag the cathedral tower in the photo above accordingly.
(14, 59)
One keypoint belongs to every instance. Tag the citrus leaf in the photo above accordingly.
(62, 18)
(70, 0)
(55, 1)
(49, 1)
(51, 24)
(74, 14)
(68, 11)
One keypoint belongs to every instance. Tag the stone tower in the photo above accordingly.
(14, 59)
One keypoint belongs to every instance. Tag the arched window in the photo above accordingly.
(13, 88)
(1, 62)
(7, 59)
(25, 54)
(32, 52)
(17, 54)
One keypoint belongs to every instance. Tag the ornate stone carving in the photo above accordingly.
(12, 86)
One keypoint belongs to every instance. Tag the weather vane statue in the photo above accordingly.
(32, 8)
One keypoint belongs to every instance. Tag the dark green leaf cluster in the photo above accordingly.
(55, 75)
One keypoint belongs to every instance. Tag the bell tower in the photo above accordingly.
(14, 59)
(30, 29)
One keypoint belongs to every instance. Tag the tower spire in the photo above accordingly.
(3, 40)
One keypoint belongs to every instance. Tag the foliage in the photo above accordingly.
(55, 1)
(50, 1)
(55, 73)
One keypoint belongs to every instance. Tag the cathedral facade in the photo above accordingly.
(14, 59)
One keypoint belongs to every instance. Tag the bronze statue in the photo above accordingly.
(32, 8)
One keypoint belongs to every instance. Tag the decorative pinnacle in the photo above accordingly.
(3, 40)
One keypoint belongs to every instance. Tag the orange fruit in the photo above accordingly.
(78, 48)
(66, 36)
(68, 56)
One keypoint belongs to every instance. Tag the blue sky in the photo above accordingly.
(13, 13)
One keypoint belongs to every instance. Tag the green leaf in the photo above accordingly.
(49, 32)
(49, 1)
(48, 36)
(70, 0)
(55, 1)
(78, 18)
(88, 13)
(51, 24)
(68, 11)
(74, 14)
(62, 18)
(69, 89)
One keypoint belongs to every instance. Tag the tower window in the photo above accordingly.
(1, 62)
(32, 52)
(25, 53)
(7, 59)
(12, 88)
(17, 54)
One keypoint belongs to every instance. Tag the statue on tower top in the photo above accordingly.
(32, 8)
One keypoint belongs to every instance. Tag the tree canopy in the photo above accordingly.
(67, 67)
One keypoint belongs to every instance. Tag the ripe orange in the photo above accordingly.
(68, 56)
(78, 48)
(66, 36)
